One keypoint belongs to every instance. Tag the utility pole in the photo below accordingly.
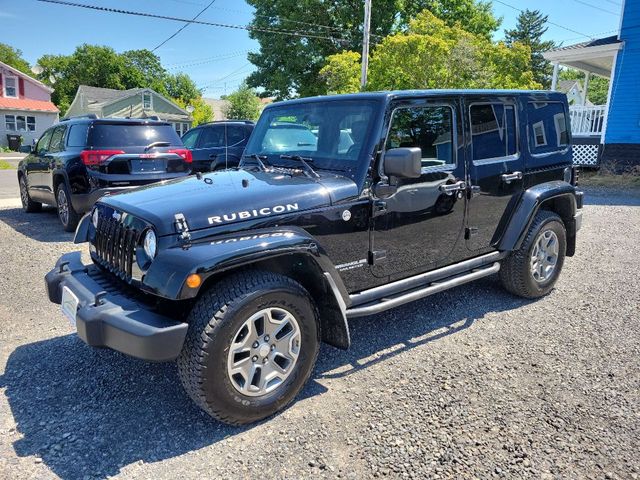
(365, 43)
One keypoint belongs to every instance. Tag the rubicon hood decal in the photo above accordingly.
(258, 212)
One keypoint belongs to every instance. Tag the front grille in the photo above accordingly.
(115, 246)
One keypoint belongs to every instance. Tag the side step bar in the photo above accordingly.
(388, 302)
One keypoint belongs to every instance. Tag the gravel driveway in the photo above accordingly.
(471, 383)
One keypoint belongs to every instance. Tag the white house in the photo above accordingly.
(25, 106)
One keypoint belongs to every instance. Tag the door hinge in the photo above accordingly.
(379, 208)
(470, 232)
(377, 256)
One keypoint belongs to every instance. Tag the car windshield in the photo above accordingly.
(332, 133)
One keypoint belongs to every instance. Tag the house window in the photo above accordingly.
(11, 86)
(10, 122)
(539, 136)
(21, 123)
(147, 103)
(31, 124)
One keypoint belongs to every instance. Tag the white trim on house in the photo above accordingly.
(147, 93)
(16, 86)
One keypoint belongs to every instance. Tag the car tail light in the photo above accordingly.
(96, 157)
(184, 153)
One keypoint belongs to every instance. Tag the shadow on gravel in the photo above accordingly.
(88, 412)
(42, 226)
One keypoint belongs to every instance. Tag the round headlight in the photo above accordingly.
(150, 243)
(94, 218)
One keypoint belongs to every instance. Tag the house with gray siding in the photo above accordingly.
(132, 103)
(25, 106)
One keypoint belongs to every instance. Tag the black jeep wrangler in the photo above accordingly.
(240, 274)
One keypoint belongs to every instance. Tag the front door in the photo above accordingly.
(36, 165)
(496, 168)
(423, 220)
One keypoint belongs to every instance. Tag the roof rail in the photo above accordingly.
(91, 116)
(246, 122)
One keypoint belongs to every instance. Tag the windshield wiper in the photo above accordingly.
(304, 160)
(156, 144)
(257, 157)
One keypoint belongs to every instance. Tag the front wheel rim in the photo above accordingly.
(24, 195)
(63, 207)
(544, 256)
(264, 351)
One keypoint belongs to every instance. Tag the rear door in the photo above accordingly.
(209, 147)
(496, 167)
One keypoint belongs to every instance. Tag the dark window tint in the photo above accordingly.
(493, 131)
(190, 138)
(429, 128)
(235, 135)
(212, 137)
(548, 128)
(57, 140)
(43, 143)
(131, 135)
(77, 136)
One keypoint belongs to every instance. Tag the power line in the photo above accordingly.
(293, 33)
(596, 7)
(226, 77)
(205, 60)
(185, 25)
(522, 11)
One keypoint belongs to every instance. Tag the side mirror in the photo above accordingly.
(403, 162)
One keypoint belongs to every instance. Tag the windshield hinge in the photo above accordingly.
(181, 226)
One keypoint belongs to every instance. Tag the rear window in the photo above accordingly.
(131, 135)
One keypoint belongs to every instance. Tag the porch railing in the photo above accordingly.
(587, 121)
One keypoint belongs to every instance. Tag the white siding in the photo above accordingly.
(43, 121)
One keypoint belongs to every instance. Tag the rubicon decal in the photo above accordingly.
(259, 212)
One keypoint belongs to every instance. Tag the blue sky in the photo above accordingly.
(216, 57)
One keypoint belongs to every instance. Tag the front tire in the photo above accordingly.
(252, 342)
(28, 205)
(66, 213)
(532, 270)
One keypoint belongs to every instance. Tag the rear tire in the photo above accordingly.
(532, 270)
(225, 346)
(66, 213)
(28, 205)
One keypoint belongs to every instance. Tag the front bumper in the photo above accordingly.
(107, 317)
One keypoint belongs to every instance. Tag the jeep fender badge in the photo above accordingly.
(346, 215)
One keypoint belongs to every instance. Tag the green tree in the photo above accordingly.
(598, 89)
(244, 104)
(431, 54)
(144, 68)
(530, 28)
(289, 65)
(13, 57)
(181, 86)
(202, 113)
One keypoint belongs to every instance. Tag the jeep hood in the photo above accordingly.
(230, 196)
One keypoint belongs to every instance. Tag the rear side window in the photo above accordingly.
(212, 137)
(235, 135)
(131, 135)
(548, 127)
(493, 131)
(77, 136)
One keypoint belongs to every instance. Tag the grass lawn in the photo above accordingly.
(606, 179)
(4, 165)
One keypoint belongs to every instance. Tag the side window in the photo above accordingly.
(548, 127)
(43, 143)
(429, 128)
(78, 135)
(190, 139)
(235, 135)
(212, 137)
(493, 131)
(57, 139)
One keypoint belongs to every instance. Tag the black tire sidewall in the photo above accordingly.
(541, 288)
(217, 386)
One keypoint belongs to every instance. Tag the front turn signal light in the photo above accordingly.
(194, 280)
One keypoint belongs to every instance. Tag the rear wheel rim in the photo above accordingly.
(24, 194)
(63, 206)
(544, 256)
(264, 351)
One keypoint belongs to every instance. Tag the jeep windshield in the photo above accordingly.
(331, 134)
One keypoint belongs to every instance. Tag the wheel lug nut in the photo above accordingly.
(264, 360)
(273, 347)
(255, 358)
(255, 344)
(266, 338)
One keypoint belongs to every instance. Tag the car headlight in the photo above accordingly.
(150, 244)
(94, 218)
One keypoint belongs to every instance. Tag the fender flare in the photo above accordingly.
(278, 248)
(530, 202)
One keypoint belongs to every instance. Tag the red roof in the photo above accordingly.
(27, 104)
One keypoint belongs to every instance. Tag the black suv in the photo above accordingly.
(218, 145)
(401, 195)
(81, 159)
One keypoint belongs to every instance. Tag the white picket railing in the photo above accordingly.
(587, 120)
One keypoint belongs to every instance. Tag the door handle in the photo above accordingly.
(510, 177)
(451, 188)
(213, 155)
